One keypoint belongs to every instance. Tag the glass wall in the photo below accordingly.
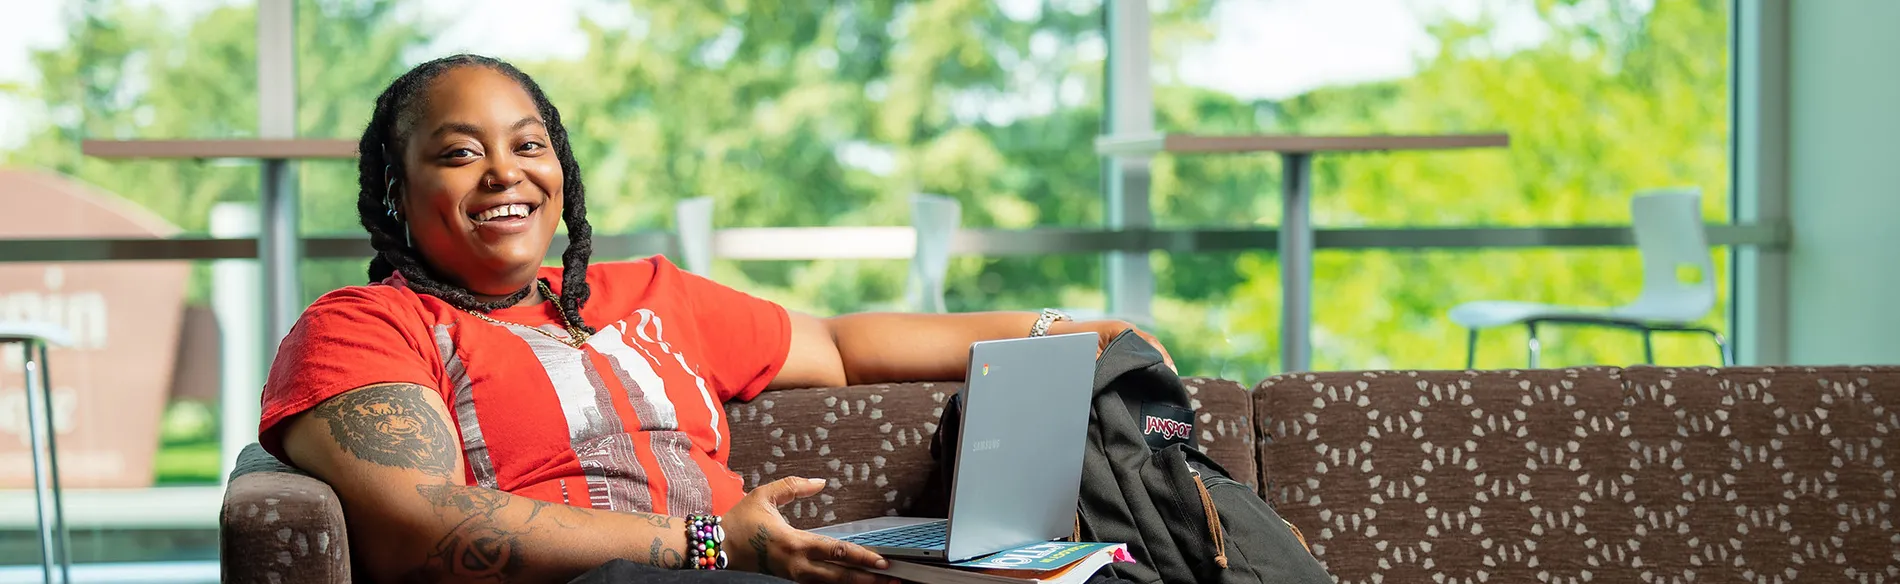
(1602, 99)
(786, 116)
(135, 401)
(797, 114)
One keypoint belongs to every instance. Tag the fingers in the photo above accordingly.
(816, 558)
(788, 489)
(845, 552)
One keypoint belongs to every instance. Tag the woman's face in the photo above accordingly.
(481, 187)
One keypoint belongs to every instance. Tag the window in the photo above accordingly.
(1602, 99)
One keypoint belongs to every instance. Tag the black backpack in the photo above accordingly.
(1184, 518)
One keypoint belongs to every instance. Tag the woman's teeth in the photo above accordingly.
(515, 210)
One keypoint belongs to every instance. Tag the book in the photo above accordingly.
(1057, 562)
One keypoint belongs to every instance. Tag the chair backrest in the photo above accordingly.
(693, 225)
(935, 219)
(1678, 270)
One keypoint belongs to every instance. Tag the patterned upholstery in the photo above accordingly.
(280, 525)
(1224, 415)
(872, 442)
(1594, 474)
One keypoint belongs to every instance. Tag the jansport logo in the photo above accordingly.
(1168, 428)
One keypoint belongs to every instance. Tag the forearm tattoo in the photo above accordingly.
(661, 556)
(393, 426)
(480, 547)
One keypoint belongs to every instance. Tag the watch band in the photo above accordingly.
(1049, 316)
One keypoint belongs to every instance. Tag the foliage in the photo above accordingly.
(792, 114)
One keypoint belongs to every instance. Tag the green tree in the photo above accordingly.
(1616, 100)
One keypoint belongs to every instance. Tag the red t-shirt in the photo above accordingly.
(631, 421)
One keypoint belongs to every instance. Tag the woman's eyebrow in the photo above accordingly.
(474, 130)
(456, 128)
(525, 122)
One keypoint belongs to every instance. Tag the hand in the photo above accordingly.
(1108, 330)
(759, 540)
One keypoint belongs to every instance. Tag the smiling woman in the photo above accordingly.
(485, 418)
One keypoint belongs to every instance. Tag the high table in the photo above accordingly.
(277, 235)
(277, 250)
(1296, 228)
(33, 337)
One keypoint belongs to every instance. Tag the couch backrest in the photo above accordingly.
(1593, 474)
(872, 442)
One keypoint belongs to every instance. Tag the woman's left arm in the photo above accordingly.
(880, 347)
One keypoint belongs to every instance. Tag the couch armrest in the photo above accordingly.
(871, 441)
(1223, 412)
(280, 525)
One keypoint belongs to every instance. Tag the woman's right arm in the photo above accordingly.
(396, 464)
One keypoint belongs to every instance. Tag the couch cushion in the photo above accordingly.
(872, 442)
(1648, 474)
(1767, 473)
(1417, 476)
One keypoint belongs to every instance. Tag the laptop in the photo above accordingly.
(1019, 455)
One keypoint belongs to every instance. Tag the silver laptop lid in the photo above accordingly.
(1019, 457)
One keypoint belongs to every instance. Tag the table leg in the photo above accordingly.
(278, 253)
(1296, 262)
(54, 557)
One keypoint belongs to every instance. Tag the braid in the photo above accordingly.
(388, 126)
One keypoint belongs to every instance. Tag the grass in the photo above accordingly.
(188, 463)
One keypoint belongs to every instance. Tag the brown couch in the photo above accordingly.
(1593, 474)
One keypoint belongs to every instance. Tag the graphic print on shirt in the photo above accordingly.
(686, 488)
(615, 478)
(474, 447)
(651, 322)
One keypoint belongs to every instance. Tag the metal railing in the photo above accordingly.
(805, 243)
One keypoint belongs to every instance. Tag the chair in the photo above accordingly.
(935, 219)
(1678, 285)
(693, 225)
(54, 543)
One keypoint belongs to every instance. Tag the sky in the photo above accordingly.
(1260, 48)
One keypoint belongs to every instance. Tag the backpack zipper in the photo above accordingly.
(1213, 519)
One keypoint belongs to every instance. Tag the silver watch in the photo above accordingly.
(1049, 316)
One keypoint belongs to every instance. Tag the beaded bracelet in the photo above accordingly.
(704, 542)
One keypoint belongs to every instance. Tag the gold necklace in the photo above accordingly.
(575, 336)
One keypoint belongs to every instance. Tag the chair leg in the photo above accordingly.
(1471, 349)
(1533, 345)
(1721, 345)
(1649, 349)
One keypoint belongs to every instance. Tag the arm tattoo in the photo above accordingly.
(654, 519)
(665, 557)
(759, 541)
(481, 547)
(391, 425)
(555, 516)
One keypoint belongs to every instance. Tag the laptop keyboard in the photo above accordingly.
(922, 536)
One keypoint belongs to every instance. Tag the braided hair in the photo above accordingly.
(396, 111)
